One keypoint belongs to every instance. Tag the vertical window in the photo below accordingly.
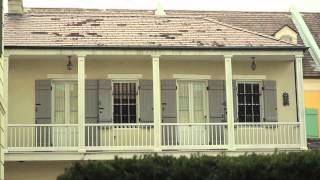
(192, 101)
(65, 102)
(124, 102)
(249, 101)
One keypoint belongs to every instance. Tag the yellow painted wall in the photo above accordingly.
(312, 96)
(49, 170)
(23, 73)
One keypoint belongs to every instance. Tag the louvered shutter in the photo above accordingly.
(105, 101)
(217, 101)
(235, 100)
(43, 110)
(91, 114)
(169, 110)
(270, 101)
(146, 101)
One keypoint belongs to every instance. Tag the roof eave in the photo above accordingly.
(268, 48)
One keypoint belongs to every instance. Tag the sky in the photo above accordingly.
(241, 5)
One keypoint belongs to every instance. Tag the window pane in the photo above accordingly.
(248, 88)
(73, 103)
(240, 88)
(59, 103)
(124, 98)
(249, 102)
(183, 94)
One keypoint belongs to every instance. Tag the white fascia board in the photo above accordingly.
(306, 35)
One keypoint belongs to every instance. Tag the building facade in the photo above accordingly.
(95, 84)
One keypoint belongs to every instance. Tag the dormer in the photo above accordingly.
(287, 34)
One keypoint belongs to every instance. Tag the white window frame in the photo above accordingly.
(260, 82)
(137, 98)
(67, 99)
(206, 100)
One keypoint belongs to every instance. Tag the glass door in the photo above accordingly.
(192, 111)
(64, 111)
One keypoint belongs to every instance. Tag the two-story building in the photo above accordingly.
(95, 84)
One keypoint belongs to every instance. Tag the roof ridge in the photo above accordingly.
(248, 31)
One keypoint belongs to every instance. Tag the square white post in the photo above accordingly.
(156, 102)
(300, 101)
(6, 100)
(229, 103)
(81, 103)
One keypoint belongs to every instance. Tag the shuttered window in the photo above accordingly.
(192, 101)
(124, 101)
(249, 101)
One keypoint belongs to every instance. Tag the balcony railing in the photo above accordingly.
(194, 135)
(278, 134)
(119, 136)
(42, 137)
(174, 136)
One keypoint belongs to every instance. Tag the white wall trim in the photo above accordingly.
(62, 76)
(125, 76)
(191, 76)
(249, 77)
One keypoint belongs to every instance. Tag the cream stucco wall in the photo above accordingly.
(23, 73)
(35, 170)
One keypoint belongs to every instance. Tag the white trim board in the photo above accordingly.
(191, 76)
(249, 77)
(125, 76)
(62, 76)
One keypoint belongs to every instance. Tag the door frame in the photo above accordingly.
(191, 102)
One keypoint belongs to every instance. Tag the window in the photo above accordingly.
(65, 102)
(249, 101)
(125, 101)
(192, 101)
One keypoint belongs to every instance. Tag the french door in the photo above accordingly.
(64, 111)
(192, 110)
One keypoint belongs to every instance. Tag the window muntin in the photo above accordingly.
(192, 99)
(124, 101)
(249, 101)
(65, 102)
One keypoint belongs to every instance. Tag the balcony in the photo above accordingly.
(141, 137)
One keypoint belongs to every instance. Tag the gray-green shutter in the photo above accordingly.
(92, 112)
(169, 101)
(91, 91)
(146, 101)
(270, 101)
(217, 101)
(235, 100)
(43, 101)
(217, 109)
(105, 101)
(169, 111)
(43, 110)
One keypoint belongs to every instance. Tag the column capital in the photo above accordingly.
(228, 56)
(155, 56)
(81, 56)
(298, 56)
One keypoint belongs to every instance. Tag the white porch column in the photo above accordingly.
(229, 103)
(156, 102)
(81, 102)
(5, 98)
(300, 101)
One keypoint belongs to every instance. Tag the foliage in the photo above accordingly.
(278, 166)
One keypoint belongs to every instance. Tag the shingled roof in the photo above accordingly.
(87, 29)
(140, 28)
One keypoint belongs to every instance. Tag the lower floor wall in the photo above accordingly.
(44, 170)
